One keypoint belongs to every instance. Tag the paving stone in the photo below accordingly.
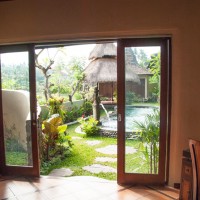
(97, 168)
(61, 172)
(105, 159)
(93, 142)
(112, 150)
(76, 138)
(78, 130)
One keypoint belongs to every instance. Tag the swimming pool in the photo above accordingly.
(133, 113)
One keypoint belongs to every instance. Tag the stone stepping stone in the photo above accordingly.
(62, 172)
(93, 142)
(105, 159)
(97, 168)
(78, 130)
(112, 150)
(76, 138)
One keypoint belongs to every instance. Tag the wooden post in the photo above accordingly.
(96, 103)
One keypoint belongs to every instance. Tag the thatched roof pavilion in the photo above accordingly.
(105, 70)
(103, 65)
(103, 50)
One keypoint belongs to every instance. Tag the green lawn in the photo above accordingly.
(84, 155)
(22, 158)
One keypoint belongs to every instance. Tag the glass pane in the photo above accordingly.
(16, 108)
(142, 109)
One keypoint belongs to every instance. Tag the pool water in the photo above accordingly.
(132, 114)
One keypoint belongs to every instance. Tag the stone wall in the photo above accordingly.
(16, 111)
(69, 105)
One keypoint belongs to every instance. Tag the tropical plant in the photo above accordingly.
(90, 126)
(55, 106)
(149, 133)
(55, 140)
(154, 66)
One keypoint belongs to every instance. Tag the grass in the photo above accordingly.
(84, 155)
(22, 158)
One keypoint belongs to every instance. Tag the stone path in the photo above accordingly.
(77, 138)
(78, 130)
(112, 150)
(97, 168)
(93, 142)
(62, 172)
(105, 159)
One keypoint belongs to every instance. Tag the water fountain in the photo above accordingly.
(133, 113)
(107, 114)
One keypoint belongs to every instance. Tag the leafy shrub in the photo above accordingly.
(13, 145)
(74, 113)
(78, 96)
(131, 97)
(44, 114)
(87, 108)
(55, 106)
(90, 126)
(55, 140)
(155, 94)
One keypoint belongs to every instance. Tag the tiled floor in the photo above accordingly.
(78, 188)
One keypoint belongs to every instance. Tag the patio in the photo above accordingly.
(78, 188)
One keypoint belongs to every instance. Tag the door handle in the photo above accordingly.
(119, 118)
(33, 119)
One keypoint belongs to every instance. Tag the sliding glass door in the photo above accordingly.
(143, 110)
(19, 150)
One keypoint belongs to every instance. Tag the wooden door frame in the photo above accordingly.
(22, 170)
(165, 104)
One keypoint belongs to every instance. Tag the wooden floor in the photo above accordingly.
(78, 188)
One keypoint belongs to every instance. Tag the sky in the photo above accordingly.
(70, 51)
(84, 50)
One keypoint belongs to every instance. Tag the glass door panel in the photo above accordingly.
(142, 109)
(16, 108)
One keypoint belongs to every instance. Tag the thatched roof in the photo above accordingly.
(130, 57)
(141, 71)
(105, 70)
(103, 50)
